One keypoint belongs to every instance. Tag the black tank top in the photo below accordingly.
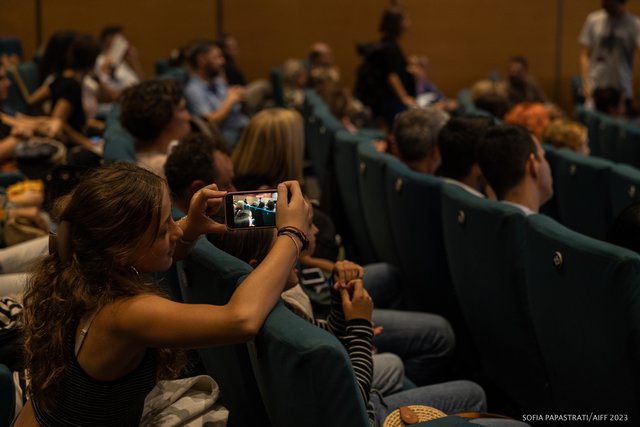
(84, 401)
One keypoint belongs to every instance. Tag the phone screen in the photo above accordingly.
(251, 209)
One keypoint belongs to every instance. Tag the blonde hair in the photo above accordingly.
(271, 146)
(292, 71)
(563, 133)
(486, 87)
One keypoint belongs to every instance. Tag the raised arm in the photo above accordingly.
(153, 321)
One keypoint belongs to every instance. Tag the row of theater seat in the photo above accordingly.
(589, 191)
(553, 315)
(611, 138)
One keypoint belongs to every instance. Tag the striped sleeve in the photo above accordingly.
(335, 320)
(358, 344)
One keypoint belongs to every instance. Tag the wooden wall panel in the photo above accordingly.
(269, 32)
(465, 39)
(17, 19)
(155, 27)
(468, 40)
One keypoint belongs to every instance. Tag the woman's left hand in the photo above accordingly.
(204, 204)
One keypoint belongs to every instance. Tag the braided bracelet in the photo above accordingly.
(298, 233)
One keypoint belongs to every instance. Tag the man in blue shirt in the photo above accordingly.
(208, 94)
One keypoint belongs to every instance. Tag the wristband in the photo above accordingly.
(296, 232)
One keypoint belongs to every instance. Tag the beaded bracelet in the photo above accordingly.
(293, 239)
(296, 232)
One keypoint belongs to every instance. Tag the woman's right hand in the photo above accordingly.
(293, 211)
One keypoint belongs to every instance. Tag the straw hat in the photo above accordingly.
(413, 414)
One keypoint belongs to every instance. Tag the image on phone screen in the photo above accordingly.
(248, 209)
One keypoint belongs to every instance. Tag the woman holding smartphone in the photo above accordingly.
(98, 334)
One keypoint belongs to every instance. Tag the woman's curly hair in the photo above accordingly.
(107, 215)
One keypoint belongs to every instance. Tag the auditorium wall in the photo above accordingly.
(464, 39)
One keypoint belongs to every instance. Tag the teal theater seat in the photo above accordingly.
(413, 206)
(210, 276)
(609, 139)
(8, 400)
(581, 187)
(485, 244)
(584, 298)
(372, 167)
(28, 73)
(304, 374)
(277, 85)
(118, 143)
(345, 161)
(628, 144)
(624, 188)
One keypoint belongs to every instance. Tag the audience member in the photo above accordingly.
(258, 93)
(422, 340)
(564, 133)
(294, 78)
(532, 116)
(490, 96)
(155, 113)
(209, 95)
(610, 38)
(458, 146)
(198, 160)
(609, 100)
(521, 85)
(514, 164)
(66, 90)
(118, 65)
(270, 148)
(427, 93)
(321, 55)
(53, 63)
(415, 138)
(117, 68)
(230, 50)
(117, 336)
(398, 88)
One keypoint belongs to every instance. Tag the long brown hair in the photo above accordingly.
(105, 218)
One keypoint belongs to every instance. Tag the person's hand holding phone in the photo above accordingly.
(356, 302)
(293, 210)
(204, 204)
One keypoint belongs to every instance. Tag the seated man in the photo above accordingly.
(514, 164)
(208, 95)
(415, 138)
(423, 341)
(457, 142)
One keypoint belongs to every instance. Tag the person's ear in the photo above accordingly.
(533, 165)
(196, 185)
(393, 146)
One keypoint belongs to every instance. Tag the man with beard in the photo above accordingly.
(207, 92)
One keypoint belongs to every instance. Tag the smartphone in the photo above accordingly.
(250, 209)
(312, 276)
